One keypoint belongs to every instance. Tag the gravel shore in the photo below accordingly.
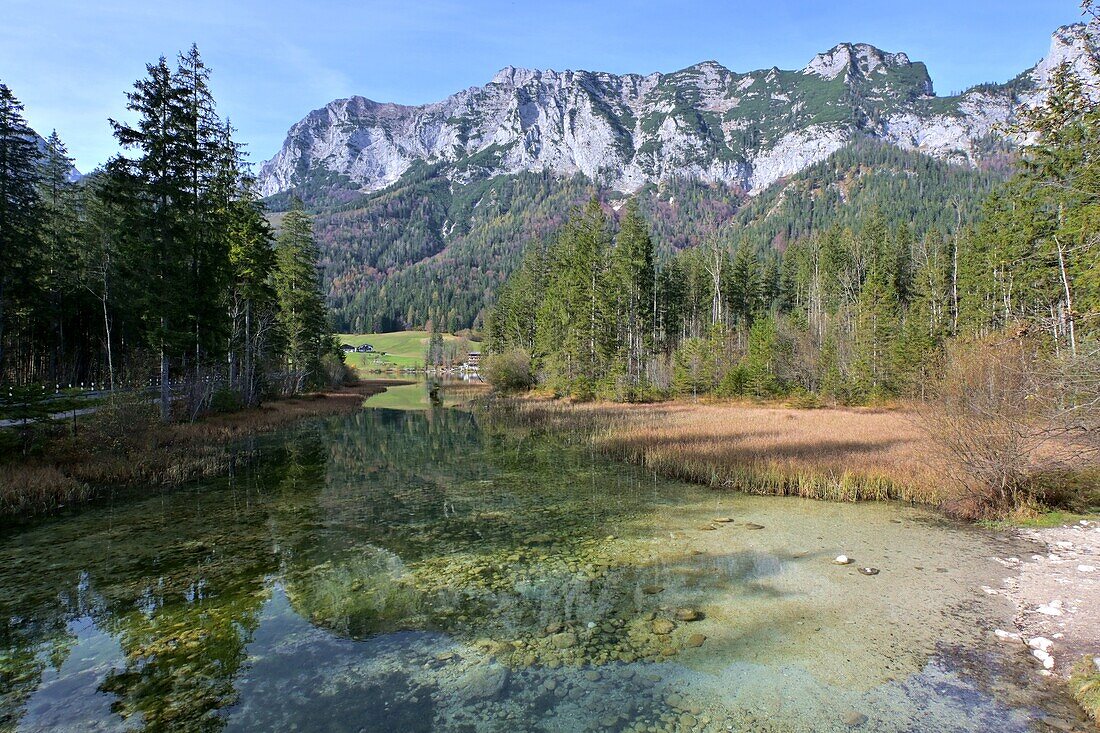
(1056, 590)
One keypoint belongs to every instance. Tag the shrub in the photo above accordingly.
(734, 383)
(334, 372)
(509, 371)
(582, 389)
(225, 400)
(124, 422)
(1006, 415)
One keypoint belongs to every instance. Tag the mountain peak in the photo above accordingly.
(854, 58)
(516, 76)
(1070, 45)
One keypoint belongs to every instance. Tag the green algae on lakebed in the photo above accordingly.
(397, 570)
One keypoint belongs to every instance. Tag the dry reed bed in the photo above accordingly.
(73, 469)
(833, 454)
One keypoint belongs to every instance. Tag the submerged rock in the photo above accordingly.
(688, 614)
(869, 571)
(695, 641)
(722, 520)
(854, 719)
(662, 626)
(753, 525)
(564, 640)
(652, 590)
(485, 682)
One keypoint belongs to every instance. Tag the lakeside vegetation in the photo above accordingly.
(159, 281)
(990, 329)
(124, 444)
(837, 454)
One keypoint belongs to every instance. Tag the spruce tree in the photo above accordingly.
(19, 208)
(302, 317)
(632, 287)
(155, 188)
(59, 232)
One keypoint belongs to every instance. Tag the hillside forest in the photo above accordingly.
(854, 310)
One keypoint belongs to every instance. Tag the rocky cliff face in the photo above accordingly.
(704, 122)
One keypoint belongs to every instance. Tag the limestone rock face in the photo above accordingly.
(704, 122)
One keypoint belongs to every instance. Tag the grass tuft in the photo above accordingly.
(1084, 683)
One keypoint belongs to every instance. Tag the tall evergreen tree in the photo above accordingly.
(59, 233)
(19, 207)
(302, 317)
(155, 188)
(633, 279)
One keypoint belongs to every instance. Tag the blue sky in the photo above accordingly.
(71, 61)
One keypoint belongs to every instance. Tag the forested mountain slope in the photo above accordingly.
(423, 211)
(438, 251)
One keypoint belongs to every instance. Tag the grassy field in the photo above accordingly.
(403, 349)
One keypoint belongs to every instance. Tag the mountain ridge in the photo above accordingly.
(747, 130)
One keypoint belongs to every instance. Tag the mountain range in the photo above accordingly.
(727, 136)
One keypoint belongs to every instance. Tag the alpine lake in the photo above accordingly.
(419, 566)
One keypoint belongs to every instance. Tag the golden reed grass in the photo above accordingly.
(73, 469)
(832, 454)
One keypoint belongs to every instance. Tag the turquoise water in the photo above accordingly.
(431, 570)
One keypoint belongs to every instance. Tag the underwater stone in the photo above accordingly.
(652, 590)
(854, 719)
(695, 640)
(485, 682)
(662, 626)
(753, 525)
(869, 571)
(688, 614)
(565, 640)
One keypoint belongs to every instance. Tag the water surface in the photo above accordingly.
(428, 570)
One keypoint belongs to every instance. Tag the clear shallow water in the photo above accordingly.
(420, 570)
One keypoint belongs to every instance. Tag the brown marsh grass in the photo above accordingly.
(72, 469)
(833, 454)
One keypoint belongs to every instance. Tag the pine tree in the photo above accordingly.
(59, 231)
(745, 287)
(252, 294)
(19, 207)
(875, 330)
(154, 188)
(303, 320)
(210, 166)
(633, 279)
(766, 353)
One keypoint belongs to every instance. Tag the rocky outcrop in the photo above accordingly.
(704, 122)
